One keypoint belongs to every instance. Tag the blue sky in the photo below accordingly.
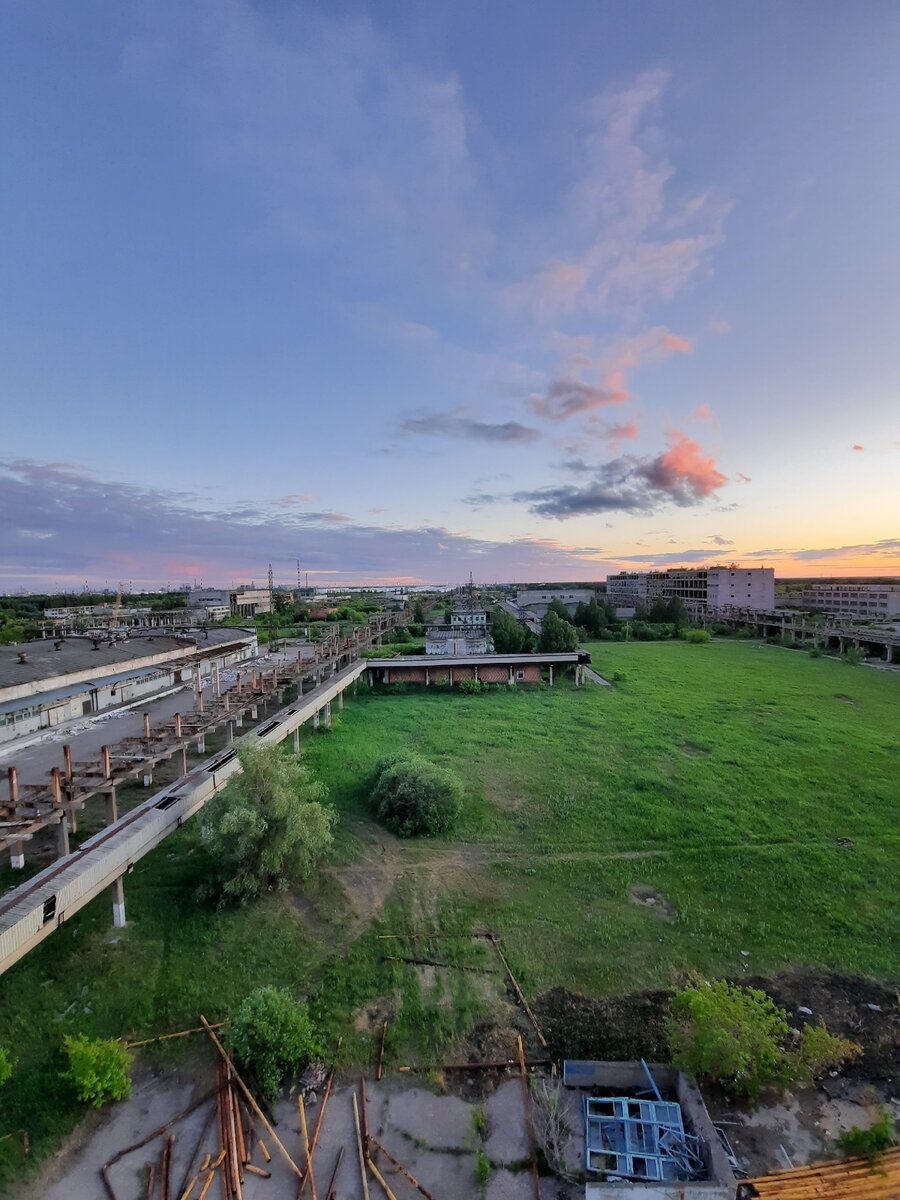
(406, 291)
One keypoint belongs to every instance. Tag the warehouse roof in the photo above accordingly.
(45, 667)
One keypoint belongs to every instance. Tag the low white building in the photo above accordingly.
(47, 683)
(534, 602)
(860, 601)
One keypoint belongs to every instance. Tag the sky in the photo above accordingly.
(406, 291)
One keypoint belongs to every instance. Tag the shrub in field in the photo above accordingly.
(818, 1051)
(98, 1067)
(869, 1143)
(740, 1037)
(471, 687)
(415, 798)
(272, 1034)
(6, 1065)
(697, 637)
(854, 656)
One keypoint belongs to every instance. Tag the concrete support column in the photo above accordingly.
(427, 677)
(62, 838)
(201, 744)
(147, 777)
(551, 674)
(295, 736)
(315, 722)
(511, 680)
(217, 690)
(117, 891)
(112, 807)
(229, 733)
(340, 697)
(254, 712)
(17, 849)
(328, 714)
(184, 762)
(147, 727)
(198, 688)
(178, 726)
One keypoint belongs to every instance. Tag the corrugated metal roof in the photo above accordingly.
(847, 1179)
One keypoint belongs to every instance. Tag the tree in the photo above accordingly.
(556, 635)
(268, 828)
(419, 613)
(6, 1065)
(507, 634)
(273, 1034)
(98, 1067)
(414, 797)
(557, 606)
(591, 617)
(739, 1036)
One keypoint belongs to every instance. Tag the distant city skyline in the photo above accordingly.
(409, 292)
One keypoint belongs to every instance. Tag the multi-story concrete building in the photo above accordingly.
(862, 601)
(701, 589)
(249, 602)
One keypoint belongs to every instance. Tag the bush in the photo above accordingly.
(471, 687)
(815, 652)
(272, 1034)
(854, 656)
(869, 1143)
(738, 1036)
(415, 798)
(98, 1067)
(697, 637)
(6, 1065)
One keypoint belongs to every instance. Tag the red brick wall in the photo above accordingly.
(463, 673)
(407, 674)
(532, 673)
(493, 674)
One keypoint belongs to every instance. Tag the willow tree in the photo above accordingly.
(268, 829)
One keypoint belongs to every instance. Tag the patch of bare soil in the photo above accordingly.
(631, 1026)
(865, 1012)
(369, 880)
(648, 897)
(693, 750)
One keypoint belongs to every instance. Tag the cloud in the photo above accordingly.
(622, 238)
(452, 424)
(564, 398)
(673, 558)
(349, 150)
(740, 477)
(703, 413)
(856, 446)
(569, 396)
(887, 548)
(682, 470)
(682, 475)
(99, 529)
(718, 540)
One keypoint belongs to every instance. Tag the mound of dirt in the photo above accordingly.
(603, 1027)
(631, 1026)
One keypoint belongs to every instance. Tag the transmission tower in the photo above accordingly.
(273, 618)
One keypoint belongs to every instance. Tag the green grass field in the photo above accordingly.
(753, 791)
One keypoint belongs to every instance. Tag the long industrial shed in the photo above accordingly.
(33, 910)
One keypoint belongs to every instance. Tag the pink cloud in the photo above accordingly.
(703, 413)
(740, 477)
(856, 446)
(627, 430)
(684, 463)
